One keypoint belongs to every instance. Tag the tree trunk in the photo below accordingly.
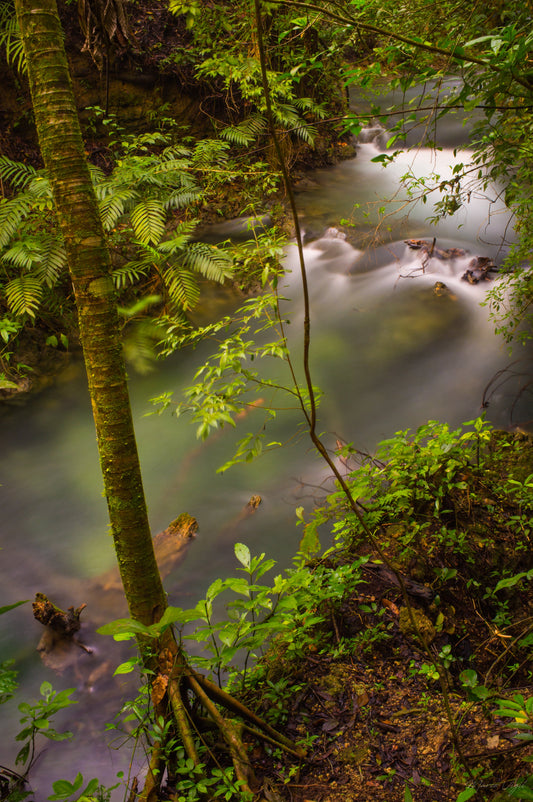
(89, 263)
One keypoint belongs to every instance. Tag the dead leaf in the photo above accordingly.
(159, 687)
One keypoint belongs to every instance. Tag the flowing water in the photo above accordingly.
(389, 350)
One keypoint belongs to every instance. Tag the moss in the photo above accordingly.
(423, 627)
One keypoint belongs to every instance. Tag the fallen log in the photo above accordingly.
(170, 546)
(58, 641)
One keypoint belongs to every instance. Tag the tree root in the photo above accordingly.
(181, 681)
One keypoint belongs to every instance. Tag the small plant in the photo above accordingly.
(37, 720)
(65, 790)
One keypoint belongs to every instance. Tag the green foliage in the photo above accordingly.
(10, 38)
(63, 789)
(288, 611)
(519, 712)
(8, 681)
(8, 677)
(226, 384)
(37, 720)
(152, 181)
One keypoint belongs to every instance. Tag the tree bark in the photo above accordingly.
(89, 263)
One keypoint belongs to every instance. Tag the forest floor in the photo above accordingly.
(385, 723)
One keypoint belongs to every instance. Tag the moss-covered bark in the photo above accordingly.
(89, 263)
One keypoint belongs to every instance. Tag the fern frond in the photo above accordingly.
(306, 132)
(11, 39)
(182, 286)
(210, 152)
(179, 166)
(39, 187)
(24, 253)
(130, 273)
(139, 342)
(24, 295)
(151, 138)
(182, 198)
(308, 104)
(209, 261)
(16, 173)
(148, 220)
(97, 175)
(286, 115)
(114, 203)
(53, 262)
(175, 152)
(289, 118)
(246, 131)
(12, 213)
(182, 236)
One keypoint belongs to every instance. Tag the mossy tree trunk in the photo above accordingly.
(90, 267)
(89, 263)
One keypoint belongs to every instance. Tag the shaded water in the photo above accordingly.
(387, 351)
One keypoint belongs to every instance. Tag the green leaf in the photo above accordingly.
(124, 626)
(148, 220)
(242, 553)
(62, 789)
(520, 792)
(310, 542)
(24, 295)
(468, 793)
(127, 667)
(9, 607)
(510, 581)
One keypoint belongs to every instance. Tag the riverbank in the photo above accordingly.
(418, 692)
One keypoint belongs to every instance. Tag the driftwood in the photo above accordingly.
(59, 643)
(387, 576)
(66, 624)
(170, 546)
(478, 270)
(428, 249)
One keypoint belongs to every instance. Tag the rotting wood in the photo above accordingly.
(170, 548)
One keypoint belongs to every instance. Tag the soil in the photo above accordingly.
(385, 726)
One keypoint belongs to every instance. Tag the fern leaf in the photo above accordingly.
(172, 166)
(130, 273)
(39, 187)
(139, 341)
(53, 262)
(182, 287)
(16, 173)
(182, 198)
(114, 204)
(246, 131)
(24, 295)
(306, 132)
(308, 104)
(175, 152)
(12, 212)
(97, 175)
(148, 220)
(11, 39)
(209, 261)
(182, 236)
(210, 152)
(24, 253)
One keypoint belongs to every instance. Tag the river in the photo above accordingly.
(387, 350)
